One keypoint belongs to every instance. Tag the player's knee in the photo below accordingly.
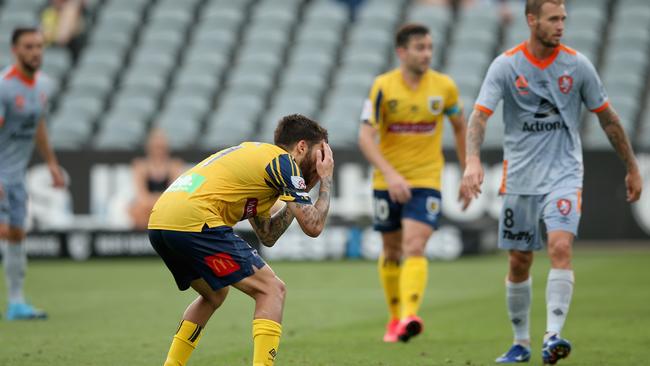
(414, 247)
(280, 289)
(560, 253)
(520, 263)
(15, 235)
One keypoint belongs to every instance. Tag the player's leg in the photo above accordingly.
(269, 293)
(195, 318)
(14, 257)
(562, 216)
(419, 219)
(389, 269)
(387, 220)
(519, 234)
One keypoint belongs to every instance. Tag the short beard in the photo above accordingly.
(29, 68)
(307, 169)
(544, 42)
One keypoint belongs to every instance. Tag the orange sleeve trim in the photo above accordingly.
(601, 108)
(483, 109)
(568, 50)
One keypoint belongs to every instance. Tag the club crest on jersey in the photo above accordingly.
(435, 105)
(392, 106)
(522, 85)
(565, 82)
(20, 102)
(564, 206)
(298, 182)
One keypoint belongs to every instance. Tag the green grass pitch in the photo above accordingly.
(124, 312)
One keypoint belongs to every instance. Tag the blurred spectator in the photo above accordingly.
(152, 174)
(456, 6)
(62, 22)
(353, 5)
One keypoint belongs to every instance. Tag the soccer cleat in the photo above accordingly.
(409, 327)
(555, 349)
(24, 311)
(391, 331)
(516, 353)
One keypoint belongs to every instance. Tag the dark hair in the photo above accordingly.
(535, 6)
(405, 32)
(296, 127)
(19, 31)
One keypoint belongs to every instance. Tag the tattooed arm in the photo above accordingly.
(611, 124)
(473, 176)
(269, 230)
(312, 217)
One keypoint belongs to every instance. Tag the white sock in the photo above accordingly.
(518, 299)
(14, 261)
(559, 290)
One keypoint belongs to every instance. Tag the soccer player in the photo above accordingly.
(191, 227)
(543, 85)
(23, 103)
(401, 136)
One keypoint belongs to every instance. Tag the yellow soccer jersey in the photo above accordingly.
(232, 185)
(410, 125)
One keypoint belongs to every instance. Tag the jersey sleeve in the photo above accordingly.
(493, 87)
(452, 103)
(372, 112)
(592, 89)
(285, 176)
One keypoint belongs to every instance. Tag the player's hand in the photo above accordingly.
(634, 185)
(472, 178)
(58, 179)
(324, 161)
(399, 190)
(464, 197)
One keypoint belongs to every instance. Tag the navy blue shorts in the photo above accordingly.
(424, 206)
(217, 255)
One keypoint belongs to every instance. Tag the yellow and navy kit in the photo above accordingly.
(232, 185)
(410, 125)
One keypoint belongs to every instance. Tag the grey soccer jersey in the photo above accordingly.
(542, 102)
(23, 103)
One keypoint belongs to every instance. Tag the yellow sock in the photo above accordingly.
(186, 338)
(389, 274)
(412, 283)
(266, 340)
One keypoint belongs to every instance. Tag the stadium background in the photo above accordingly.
(213, 73)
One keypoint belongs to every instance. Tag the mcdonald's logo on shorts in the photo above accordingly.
(222, 264)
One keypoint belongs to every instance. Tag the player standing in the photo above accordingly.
(23, 104)
(191, 227)
(401, 136)
(543, 85)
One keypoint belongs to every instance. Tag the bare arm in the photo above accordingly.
(269, 230)
(312, 217)
(473, 176)
(46, 152)
(460, 130)
(611, 124)
(398, 188)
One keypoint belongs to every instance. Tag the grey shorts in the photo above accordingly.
(13, 205)
(521, 214)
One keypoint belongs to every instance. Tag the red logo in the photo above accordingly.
(565, 82)
(522, 85)
(250, 208)
(20, 102)
(222, 264)
(564, 206)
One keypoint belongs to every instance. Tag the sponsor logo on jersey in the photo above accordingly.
(546, 109)
(222, 264)
(565, 82)
(435, 104)
(522, 85)
(538, 126)
(298, 182)
(564, 206)
(517, 236)
(250, 208)
(412, 127)
(187, 183)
